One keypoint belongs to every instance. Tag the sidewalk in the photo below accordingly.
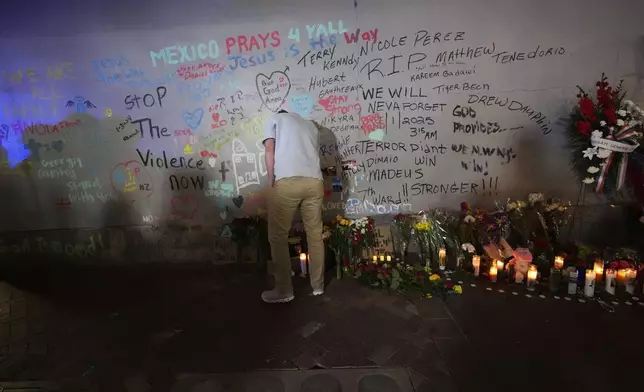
(141, 329)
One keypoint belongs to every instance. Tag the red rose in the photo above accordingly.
(584, 128)
(610, 115)
(614, 265)
(449, 284)
(587, 109)
(346, 262)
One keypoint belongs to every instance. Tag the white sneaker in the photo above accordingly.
(318, 292)
(273, 297)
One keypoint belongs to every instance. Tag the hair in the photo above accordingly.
(282, 111)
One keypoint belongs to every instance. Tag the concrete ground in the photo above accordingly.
(186, 328)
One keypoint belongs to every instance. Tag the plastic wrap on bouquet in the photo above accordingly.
(501, 251)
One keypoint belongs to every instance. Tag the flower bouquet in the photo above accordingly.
(555, 215)
(423, 237)
(519, 219)
(362, 236)
(432, 232)
(601, 134)
(402, 226)
(467, 225)
(340, 242)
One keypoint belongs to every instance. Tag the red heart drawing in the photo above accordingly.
(132, 180)
(325, 102)
(184, 206)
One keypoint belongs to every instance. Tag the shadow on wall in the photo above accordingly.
(64, 204)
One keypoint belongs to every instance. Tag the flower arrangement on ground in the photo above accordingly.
(601, 134)
(405, 278)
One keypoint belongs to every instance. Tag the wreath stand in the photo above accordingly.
(581, 200)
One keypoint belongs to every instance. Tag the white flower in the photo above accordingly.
(603, 153)
(588, 180)
(469, 219)
(590, 152)
(593, 169)
(512, 206)
(385, 265)
(620, 123)
(621, 113)
(602, 123)
(628, 103)
(597, 134)
(469, 248)
(362, 231)
(535, 197)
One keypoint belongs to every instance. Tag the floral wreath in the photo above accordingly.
(601, 134)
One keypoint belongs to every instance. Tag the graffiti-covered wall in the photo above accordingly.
(132, 131)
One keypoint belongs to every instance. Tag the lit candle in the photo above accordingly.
(589, 285)
(621, 276)
(442, 255)
(559, 262)
(303, 267)
(388, 257)
(499, 265)
(611, 281)
(382, 258)
(476, 263)
(631, 274)
(532, 277)
(599, 269)
(375, 259)
(572, 282)
(493, 273)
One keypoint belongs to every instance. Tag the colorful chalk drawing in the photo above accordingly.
(302, 105)
(193, 119)
(244, 166)
(262, 158)
(378, 135)
(131, 180)
(255, 124)
(80, 103)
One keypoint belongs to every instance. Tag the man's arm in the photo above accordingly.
(269, 156)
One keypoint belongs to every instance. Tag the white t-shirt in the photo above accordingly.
(297, 145)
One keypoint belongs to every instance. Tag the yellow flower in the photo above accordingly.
(434, 277)
(458, 289)
(423, 226)
(428, 295)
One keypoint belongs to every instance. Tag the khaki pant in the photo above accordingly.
(286, 196)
